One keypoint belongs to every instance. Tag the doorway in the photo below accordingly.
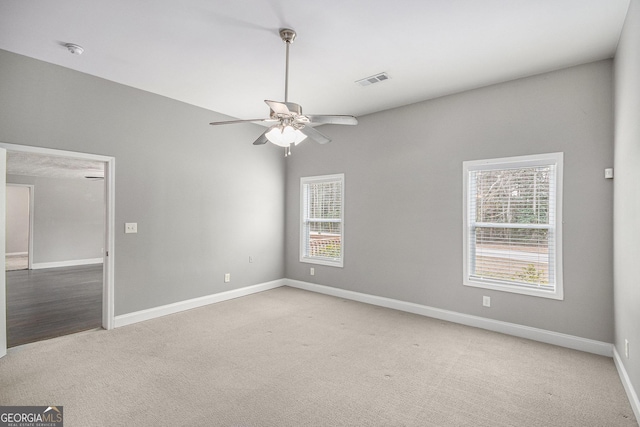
(88, 269)
(62, 292)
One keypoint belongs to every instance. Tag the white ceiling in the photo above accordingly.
(42, 165)
(227, 56)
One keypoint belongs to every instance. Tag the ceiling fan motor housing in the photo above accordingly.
(294, 110)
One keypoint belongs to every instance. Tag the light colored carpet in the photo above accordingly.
(288, 357)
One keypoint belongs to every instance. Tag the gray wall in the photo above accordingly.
(204, 198)
(68, 223)
(17, 237)
(403, 196)
(627, 194)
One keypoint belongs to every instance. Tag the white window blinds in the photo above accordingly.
(322, 220)
(512, 239)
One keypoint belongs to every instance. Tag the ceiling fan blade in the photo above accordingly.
(278, 107)
(315, 135)
(230, 122)
(334, 120)
(262, 139)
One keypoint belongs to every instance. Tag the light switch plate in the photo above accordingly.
(131, 227)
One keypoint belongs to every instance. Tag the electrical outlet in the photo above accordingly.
(131, 227)
(608, 173)
(312, 271)
(227, 277)
(486, 301)
(626, 348)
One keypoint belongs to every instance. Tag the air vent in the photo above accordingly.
(373, 79)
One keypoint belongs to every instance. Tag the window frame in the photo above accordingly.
(332, 262)
(556, 159)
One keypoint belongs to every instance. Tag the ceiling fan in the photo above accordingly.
(290, 125)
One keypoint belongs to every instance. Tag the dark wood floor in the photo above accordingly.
(52, 302)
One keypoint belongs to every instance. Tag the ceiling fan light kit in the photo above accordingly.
(291, 126)
(284, 136)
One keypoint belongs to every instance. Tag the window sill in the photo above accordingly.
(556, 294)
(320, 261)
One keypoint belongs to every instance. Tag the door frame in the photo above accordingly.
(109, 244)
(3, 277)
(31, 188)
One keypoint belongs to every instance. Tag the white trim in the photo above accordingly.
(70, 263)
(108, 278)
(337, 262)
(549, 337)
(108, 269)
(514, 162)
(54, 152)
(626, 382)
(544, 159)
(3, 277)
(17, 253)
(176, 307)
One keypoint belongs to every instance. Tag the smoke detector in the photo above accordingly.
(377, 78)
(75, 49)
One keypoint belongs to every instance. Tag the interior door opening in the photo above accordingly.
(70, 244)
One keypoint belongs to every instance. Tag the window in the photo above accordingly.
(513, 224)
(321, 225)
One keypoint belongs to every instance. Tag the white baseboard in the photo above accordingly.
(152, 313)
(626, 382)
(71, 263)
(17, 253)
(549, 337)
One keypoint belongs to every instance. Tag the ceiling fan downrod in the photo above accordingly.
(288, 36)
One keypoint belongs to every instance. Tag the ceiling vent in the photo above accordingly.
(373, 79)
